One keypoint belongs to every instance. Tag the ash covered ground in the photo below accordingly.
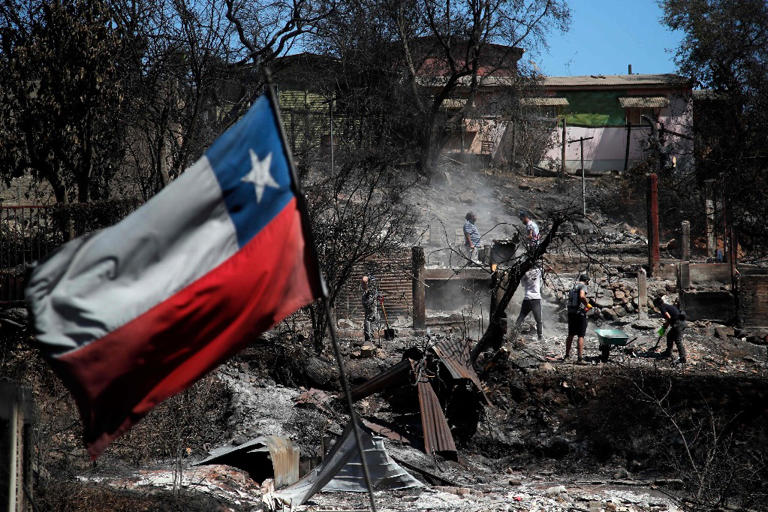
(635, 433)
(555, 436)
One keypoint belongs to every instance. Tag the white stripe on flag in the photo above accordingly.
(96, 284)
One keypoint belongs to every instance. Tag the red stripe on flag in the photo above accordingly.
(117, 379)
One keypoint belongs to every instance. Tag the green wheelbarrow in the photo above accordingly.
(610, 338)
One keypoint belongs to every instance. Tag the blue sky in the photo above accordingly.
(605, 36)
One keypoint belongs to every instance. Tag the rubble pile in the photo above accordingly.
(612, 298)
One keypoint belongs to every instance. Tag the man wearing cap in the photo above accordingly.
(674, 325)
(578, 305)
(471, 237)
(531, 228)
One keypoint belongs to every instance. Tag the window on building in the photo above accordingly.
(634, 115)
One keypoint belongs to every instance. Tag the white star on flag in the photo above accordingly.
(260, 175)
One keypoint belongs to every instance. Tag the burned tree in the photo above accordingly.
(64, 82)
(724, 50)
(516, 268)
(356, 212)
(423, 71)
(187, 92)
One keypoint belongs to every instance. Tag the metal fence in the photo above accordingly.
(29, 233)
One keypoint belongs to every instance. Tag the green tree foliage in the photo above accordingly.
(62, 84)
(725, 50)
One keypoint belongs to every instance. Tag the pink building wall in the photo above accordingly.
(607, 148)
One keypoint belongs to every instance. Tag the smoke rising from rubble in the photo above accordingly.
(455, 190)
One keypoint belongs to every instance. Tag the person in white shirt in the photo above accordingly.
(531, 229)
(532, 301)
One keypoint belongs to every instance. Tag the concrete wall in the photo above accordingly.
(709, 273)
(605, 151)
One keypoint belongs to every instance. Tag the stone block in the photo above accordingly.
(723, 332)
(646, 325)
(604, 302)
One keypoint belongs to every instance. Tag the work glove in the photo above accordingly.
(661, 331)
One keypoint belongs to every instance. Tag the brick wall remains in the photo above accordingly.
(393, 279)
(754, 300)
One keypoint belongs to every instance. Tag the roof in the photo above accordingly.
(707, 95)
(616, 81)
(544, 101)
(465, 81)
(454, 103)
(644, 102)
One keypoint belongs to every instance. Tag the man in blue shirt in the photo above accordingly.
(471, 237)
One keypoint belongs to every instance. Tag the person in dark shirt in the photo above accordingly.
(674, 324)
(369, 298)
(578, 305)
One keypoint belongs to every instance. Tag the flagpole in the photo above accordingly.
(303, 210)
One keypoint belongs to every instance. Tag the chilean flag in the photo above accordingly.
(135, 313)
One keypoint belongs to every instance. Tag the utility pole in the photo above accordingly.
(653, 224)
(581, 140)
(562, 152)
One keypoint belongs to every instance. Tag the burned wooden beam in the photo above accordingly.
(394, 376)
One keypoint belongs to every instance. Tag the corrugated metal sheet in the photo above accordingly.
(341, 470)
(644, 102)
(437, 433)
(255, 455)
(544, 102)
(455, 354)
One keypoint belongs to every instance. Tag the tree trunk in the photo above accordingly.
(496, 326)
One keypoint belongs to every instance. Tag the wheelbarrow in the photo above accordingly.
(610, 338)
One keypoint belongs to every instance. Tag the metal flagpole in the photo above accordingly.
(302, 206)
